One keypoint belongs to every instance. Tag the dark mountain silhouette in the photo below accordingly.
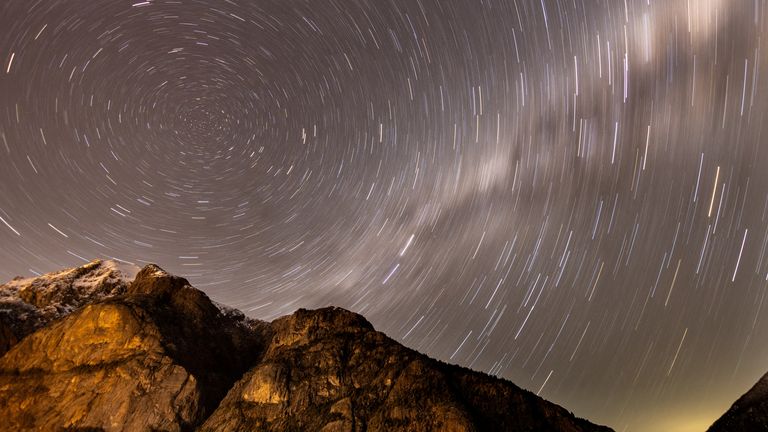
(93, 348)
(748, 413)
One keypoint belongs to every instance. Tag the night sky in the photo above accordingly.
(570, 194)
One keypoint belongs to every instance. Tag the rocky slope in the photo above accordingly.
(748, 413)
(91, 349)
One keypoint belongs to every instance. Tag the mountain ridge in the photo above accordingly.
(92, 349)
(748, 413)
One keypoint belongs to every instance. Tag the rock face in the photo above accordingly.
(748, 413)
(156, 354)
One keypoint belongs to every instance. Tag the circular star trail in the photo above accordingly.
(568, 194)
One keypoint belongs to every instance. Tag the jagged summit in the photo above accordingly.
(154, 353)
(155, 281)
(66, 288)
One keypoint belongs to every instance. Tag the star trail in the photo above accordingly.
(569, 194)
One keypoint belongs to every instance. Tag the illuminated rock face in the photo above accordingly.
(104, 366)
(157, 354)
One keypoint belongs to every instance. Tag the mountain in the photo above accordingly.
(748, 413)
(28, 304)
(96, 349)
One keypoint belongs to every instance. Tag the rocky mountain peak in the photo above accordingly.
(306, 326)
(72, 287)
(155, 281)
